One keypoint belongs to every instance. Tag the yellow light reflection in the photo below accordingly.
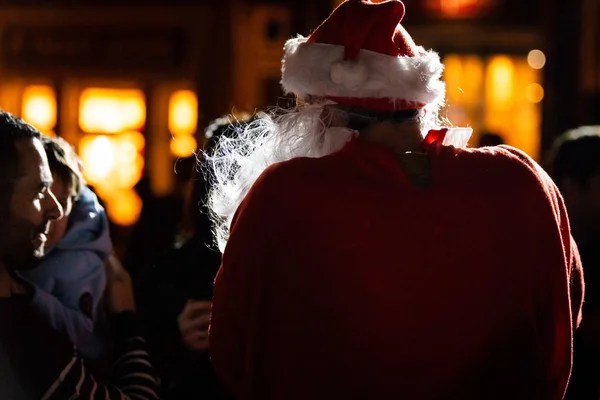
(133, 137)
(126, 153)
(127, 175)
(124, 207)
(183, 112)
(111, 110)
(112, 162)
(183, 146)
(453, 75)
(500, 95)
(534, 92)
(98, 155)
(464, 80)
(536, 59)
(500, 79)
(39, 107)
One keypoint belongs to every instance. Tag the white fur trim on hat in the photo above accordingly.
(320, 70)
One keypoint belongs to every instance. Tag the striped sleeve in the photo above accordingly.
(132, 376)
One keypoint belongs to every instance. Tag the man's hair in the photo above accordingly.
(64, 163)
(576, 155)
(12, 129)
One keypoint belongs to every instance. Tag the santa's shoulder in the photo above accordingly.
(293, 170)
(500, 164)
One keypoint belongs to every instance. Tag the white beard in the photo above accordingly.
(239, 160)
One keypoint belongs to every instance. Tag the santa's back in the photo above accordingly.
(362, 284)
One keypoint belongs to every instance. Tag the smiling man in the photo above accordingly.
(37, 361)
(33, 206)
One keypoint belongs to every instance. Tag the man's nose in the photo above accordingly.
(54, 210)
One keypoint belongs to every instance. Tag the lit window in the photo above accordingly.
(112, 151)
(113, 162)
(183, 146)
(183, 120)
(499, 79)
(114, 165)
(111, 110)
(39, 107)
(183, 113)
(98, 154)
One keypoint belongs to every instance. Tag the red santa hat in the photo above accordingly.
(361, 56)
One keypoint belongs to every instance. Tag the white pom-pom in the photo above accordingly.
(350, 74)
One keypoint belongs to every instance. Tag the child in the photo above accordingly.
(71, 278)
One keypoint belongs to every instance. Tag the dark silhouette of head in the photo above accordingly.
(490, 139)
(574, 164)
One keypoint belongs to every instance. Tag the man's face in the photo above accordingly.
(32, 207)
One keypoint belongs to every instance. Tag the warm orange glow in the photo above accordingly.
(336, 3)
(98, 154)
(500, 96)
(464, 80)
(536, 59)
(500, 76)
(183, 146)
(124, 207)
(39, 107)
(454, 78)
(134, 138)
(183, 112)
(112, 162)
(129, 174)
(534, 92)
(111, 110)
(458, 8)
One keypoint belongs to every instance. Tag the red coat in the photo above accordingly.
(342, 280)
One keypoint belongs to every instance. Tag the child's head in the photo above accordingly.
(68, 182)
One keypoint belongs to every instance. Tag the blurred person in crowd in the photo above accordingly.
(490, 139)
(153, 233)
(174, 294)
(575, 167)
(37, 360)
(71, 278)
(361, 259)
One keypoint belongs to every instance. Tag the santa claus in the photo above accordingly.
(368, 254)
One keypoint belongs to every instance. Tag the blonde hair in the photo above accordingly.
(65, 163)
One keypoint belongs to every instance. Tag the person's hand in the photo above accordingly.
(193, 324)
(119, 289)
